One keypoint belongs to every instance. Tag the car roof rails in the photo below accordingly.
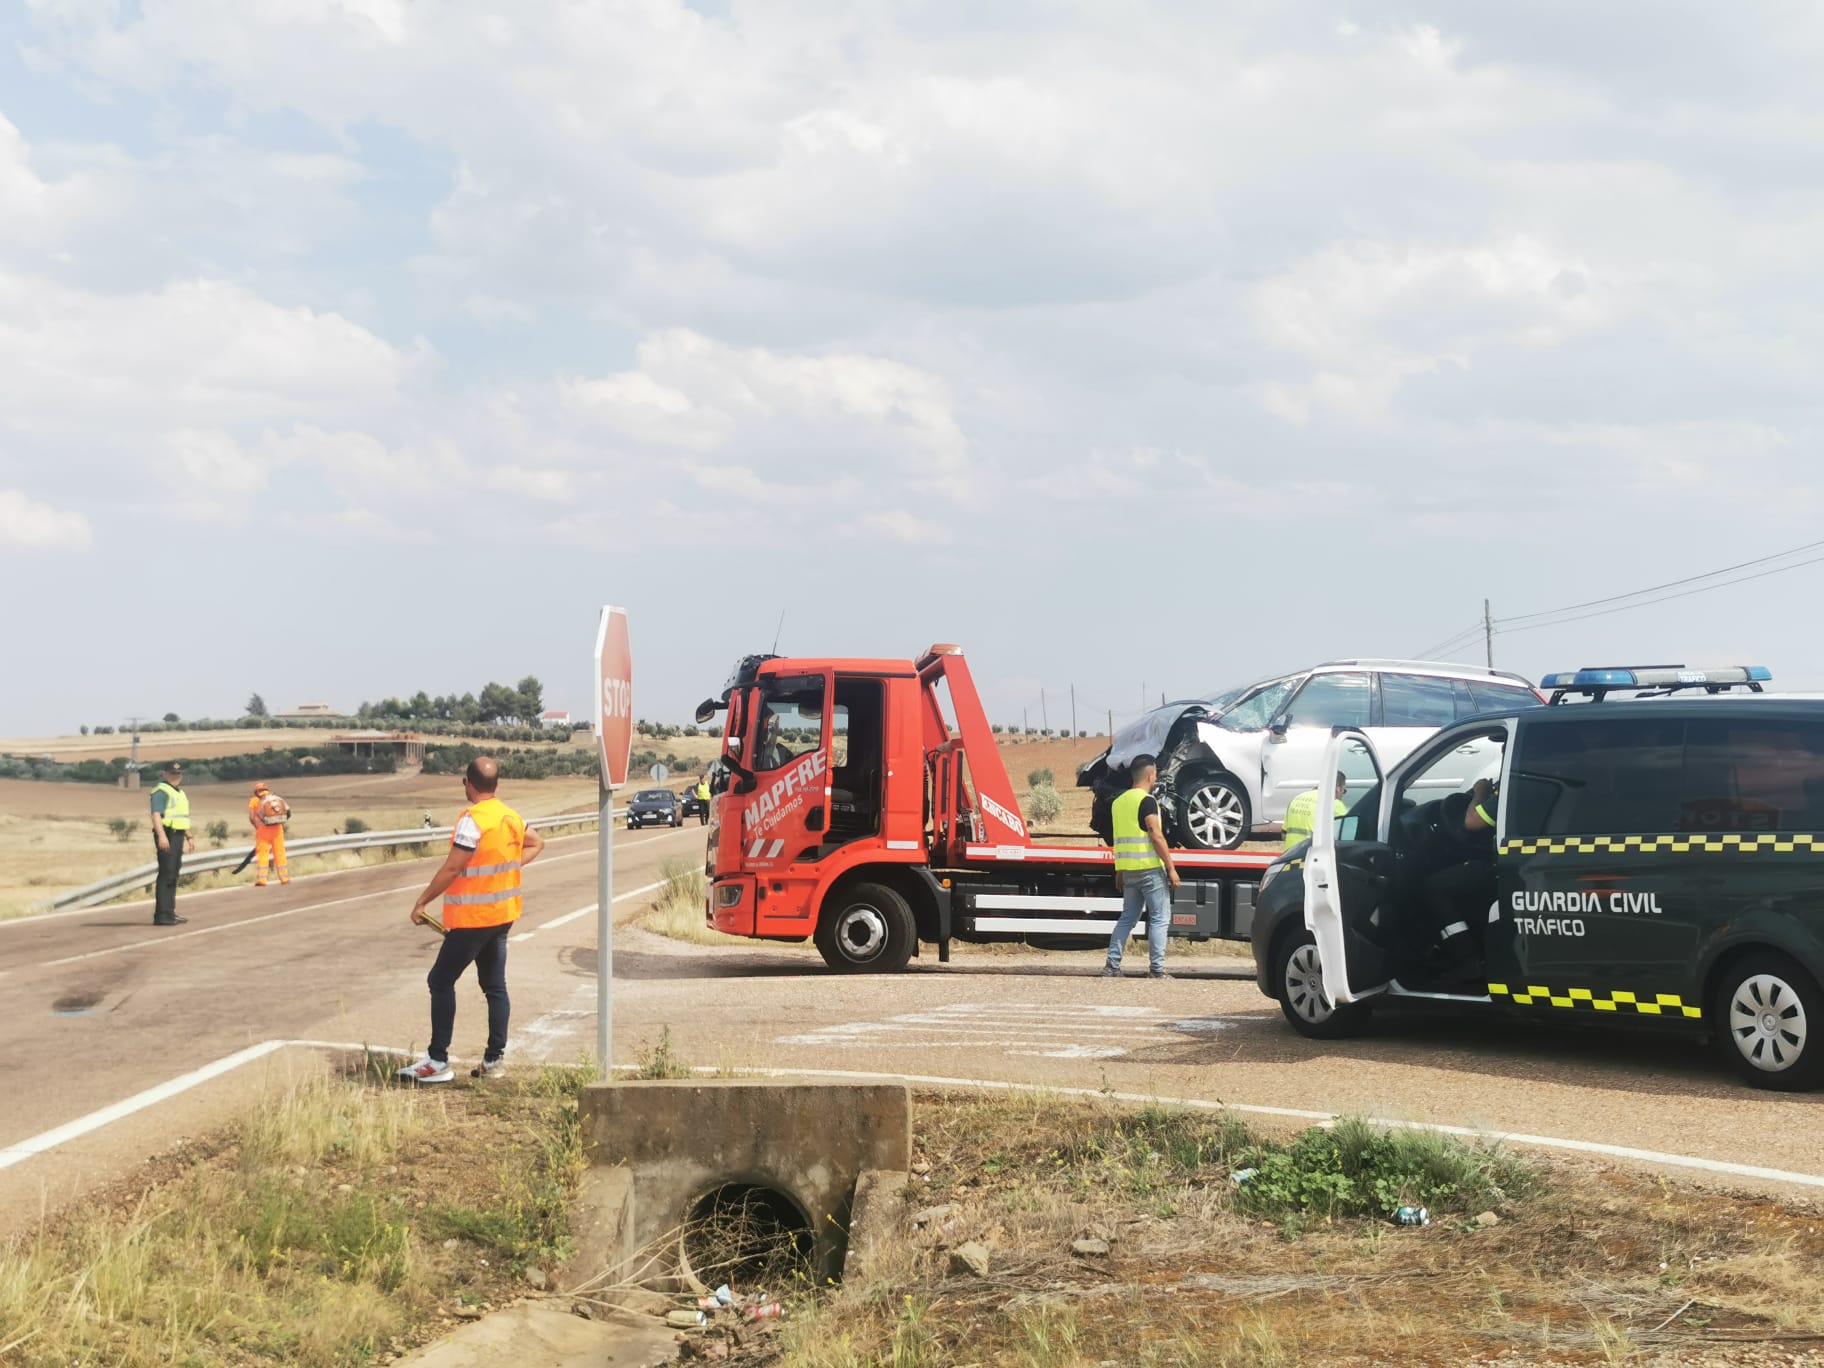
(1651, 681)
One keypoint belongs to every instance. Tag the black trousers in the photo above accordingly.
(164, 892)
(1458, 897)
(486, 948)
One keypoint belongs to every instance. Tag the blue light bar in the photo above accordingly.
(1600, 680)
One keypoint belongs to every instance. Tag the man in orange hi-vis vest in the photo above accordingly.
(267, 813)
(479, 884)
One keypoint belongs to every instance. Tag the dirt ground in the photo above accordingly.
(56, 836)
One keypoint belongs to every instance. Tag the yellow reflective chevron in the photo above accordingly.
(1732, 842)
(1659, 1004)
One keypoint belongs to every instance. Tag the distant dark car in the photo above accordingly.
(693, 805)
(654, 807)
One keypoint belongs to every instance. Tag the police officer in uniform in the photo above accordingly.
(1301, 812)
(1458, 895)
(171, 839)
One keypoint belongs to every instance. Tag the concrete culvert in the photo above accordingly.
(748, 1236)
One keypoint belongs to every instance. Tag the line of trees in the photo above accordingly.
(522, 704)
(270, 763)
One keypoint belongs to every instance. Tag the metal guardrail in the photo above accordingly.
(115, 884)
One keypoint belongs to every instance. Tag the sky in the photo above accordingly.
(354, 347)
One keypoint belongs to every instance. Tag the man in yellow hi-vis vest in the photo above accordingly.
(479, 884)
(1301, 812)
(172, 840)
(1144, 872)
(702, 796)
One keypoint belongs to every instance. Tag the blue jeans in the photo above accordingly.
(1145, 891)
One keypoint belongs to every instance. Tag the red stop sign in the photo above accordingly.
(613, 696)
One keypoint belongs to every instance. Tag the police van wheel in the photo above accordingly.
(1213, 812)
(1769, 1017)
(866, 928)
(1300, 975)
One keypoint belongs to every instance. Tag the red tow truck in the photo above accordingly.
(863, 804)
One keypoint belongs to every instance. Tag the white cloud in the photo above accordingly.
(29, 525)
(216, 463)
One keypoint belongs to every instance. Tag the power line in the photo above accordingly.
(1670, 584)
(1430, 652)
(1666, 598)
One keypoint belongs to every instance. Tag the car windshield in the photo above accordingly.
(652, 795)
(1250, 709)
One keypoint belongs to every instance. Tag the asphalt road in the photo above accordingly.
(98, 1006)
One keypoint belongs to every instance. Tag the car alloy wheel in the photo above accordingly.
(1215, 813)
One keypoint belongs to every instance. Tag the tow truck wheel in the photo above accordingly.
(866, 928)
(1769, 1016)
(1213, 812)
(1300, 975)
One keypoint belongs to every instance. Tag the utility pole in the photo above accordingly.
(1025, 722)
(1111, 724)
(1488, 633)
(1073, 709)
(1044, 720)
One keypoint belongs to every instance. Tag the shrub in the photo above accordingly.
(1043, 804)
(1039, 778)
(354, 826)
(123, 829)
(217, 832)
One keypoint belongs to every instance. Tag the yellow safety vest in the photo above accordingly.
(703, 789)
(486, 893)
(177, 807)
(1301, 816)
(1133, 845)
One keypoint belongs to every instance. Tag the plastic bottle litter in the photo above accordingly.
(686, 1320)
(1412, 1216)
(1242, 1177)
(724, 1296)
(765, 1311)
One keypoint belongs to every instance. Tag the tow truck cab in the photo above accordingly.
(863, 803)
(1656, 863)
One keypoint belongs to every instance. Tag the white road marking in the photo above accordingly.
(1553, 1142)
(1079, 1031)
(151, 941)
(569, 917)
(325, 874)
(19, 1152)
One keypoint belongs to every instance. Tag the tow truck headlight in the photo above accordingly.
(727, 895)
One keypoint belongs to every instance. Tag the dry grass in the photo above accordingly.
(1585, 1266)
(343, 1222)
(677, 913)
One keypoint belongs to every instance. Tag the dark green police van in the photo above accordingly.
(1658, 860)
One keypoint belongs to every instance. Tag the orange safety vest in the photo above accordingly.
(486, 893)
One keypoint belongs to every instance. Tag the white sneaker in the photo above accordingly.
(489, 1068)
(427, 1070)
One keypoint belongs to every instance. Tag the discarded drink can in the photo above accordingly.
(1412, 1216)
(708, 1304)
(765, 1311)
(686, 1320)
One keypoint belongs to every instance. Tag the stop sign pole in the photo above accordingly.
(614, 746)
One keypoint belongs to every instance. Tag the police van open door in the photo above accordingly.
(1344, 863)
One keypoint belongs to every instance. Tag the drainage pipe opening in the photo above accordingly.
(747, 1236)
